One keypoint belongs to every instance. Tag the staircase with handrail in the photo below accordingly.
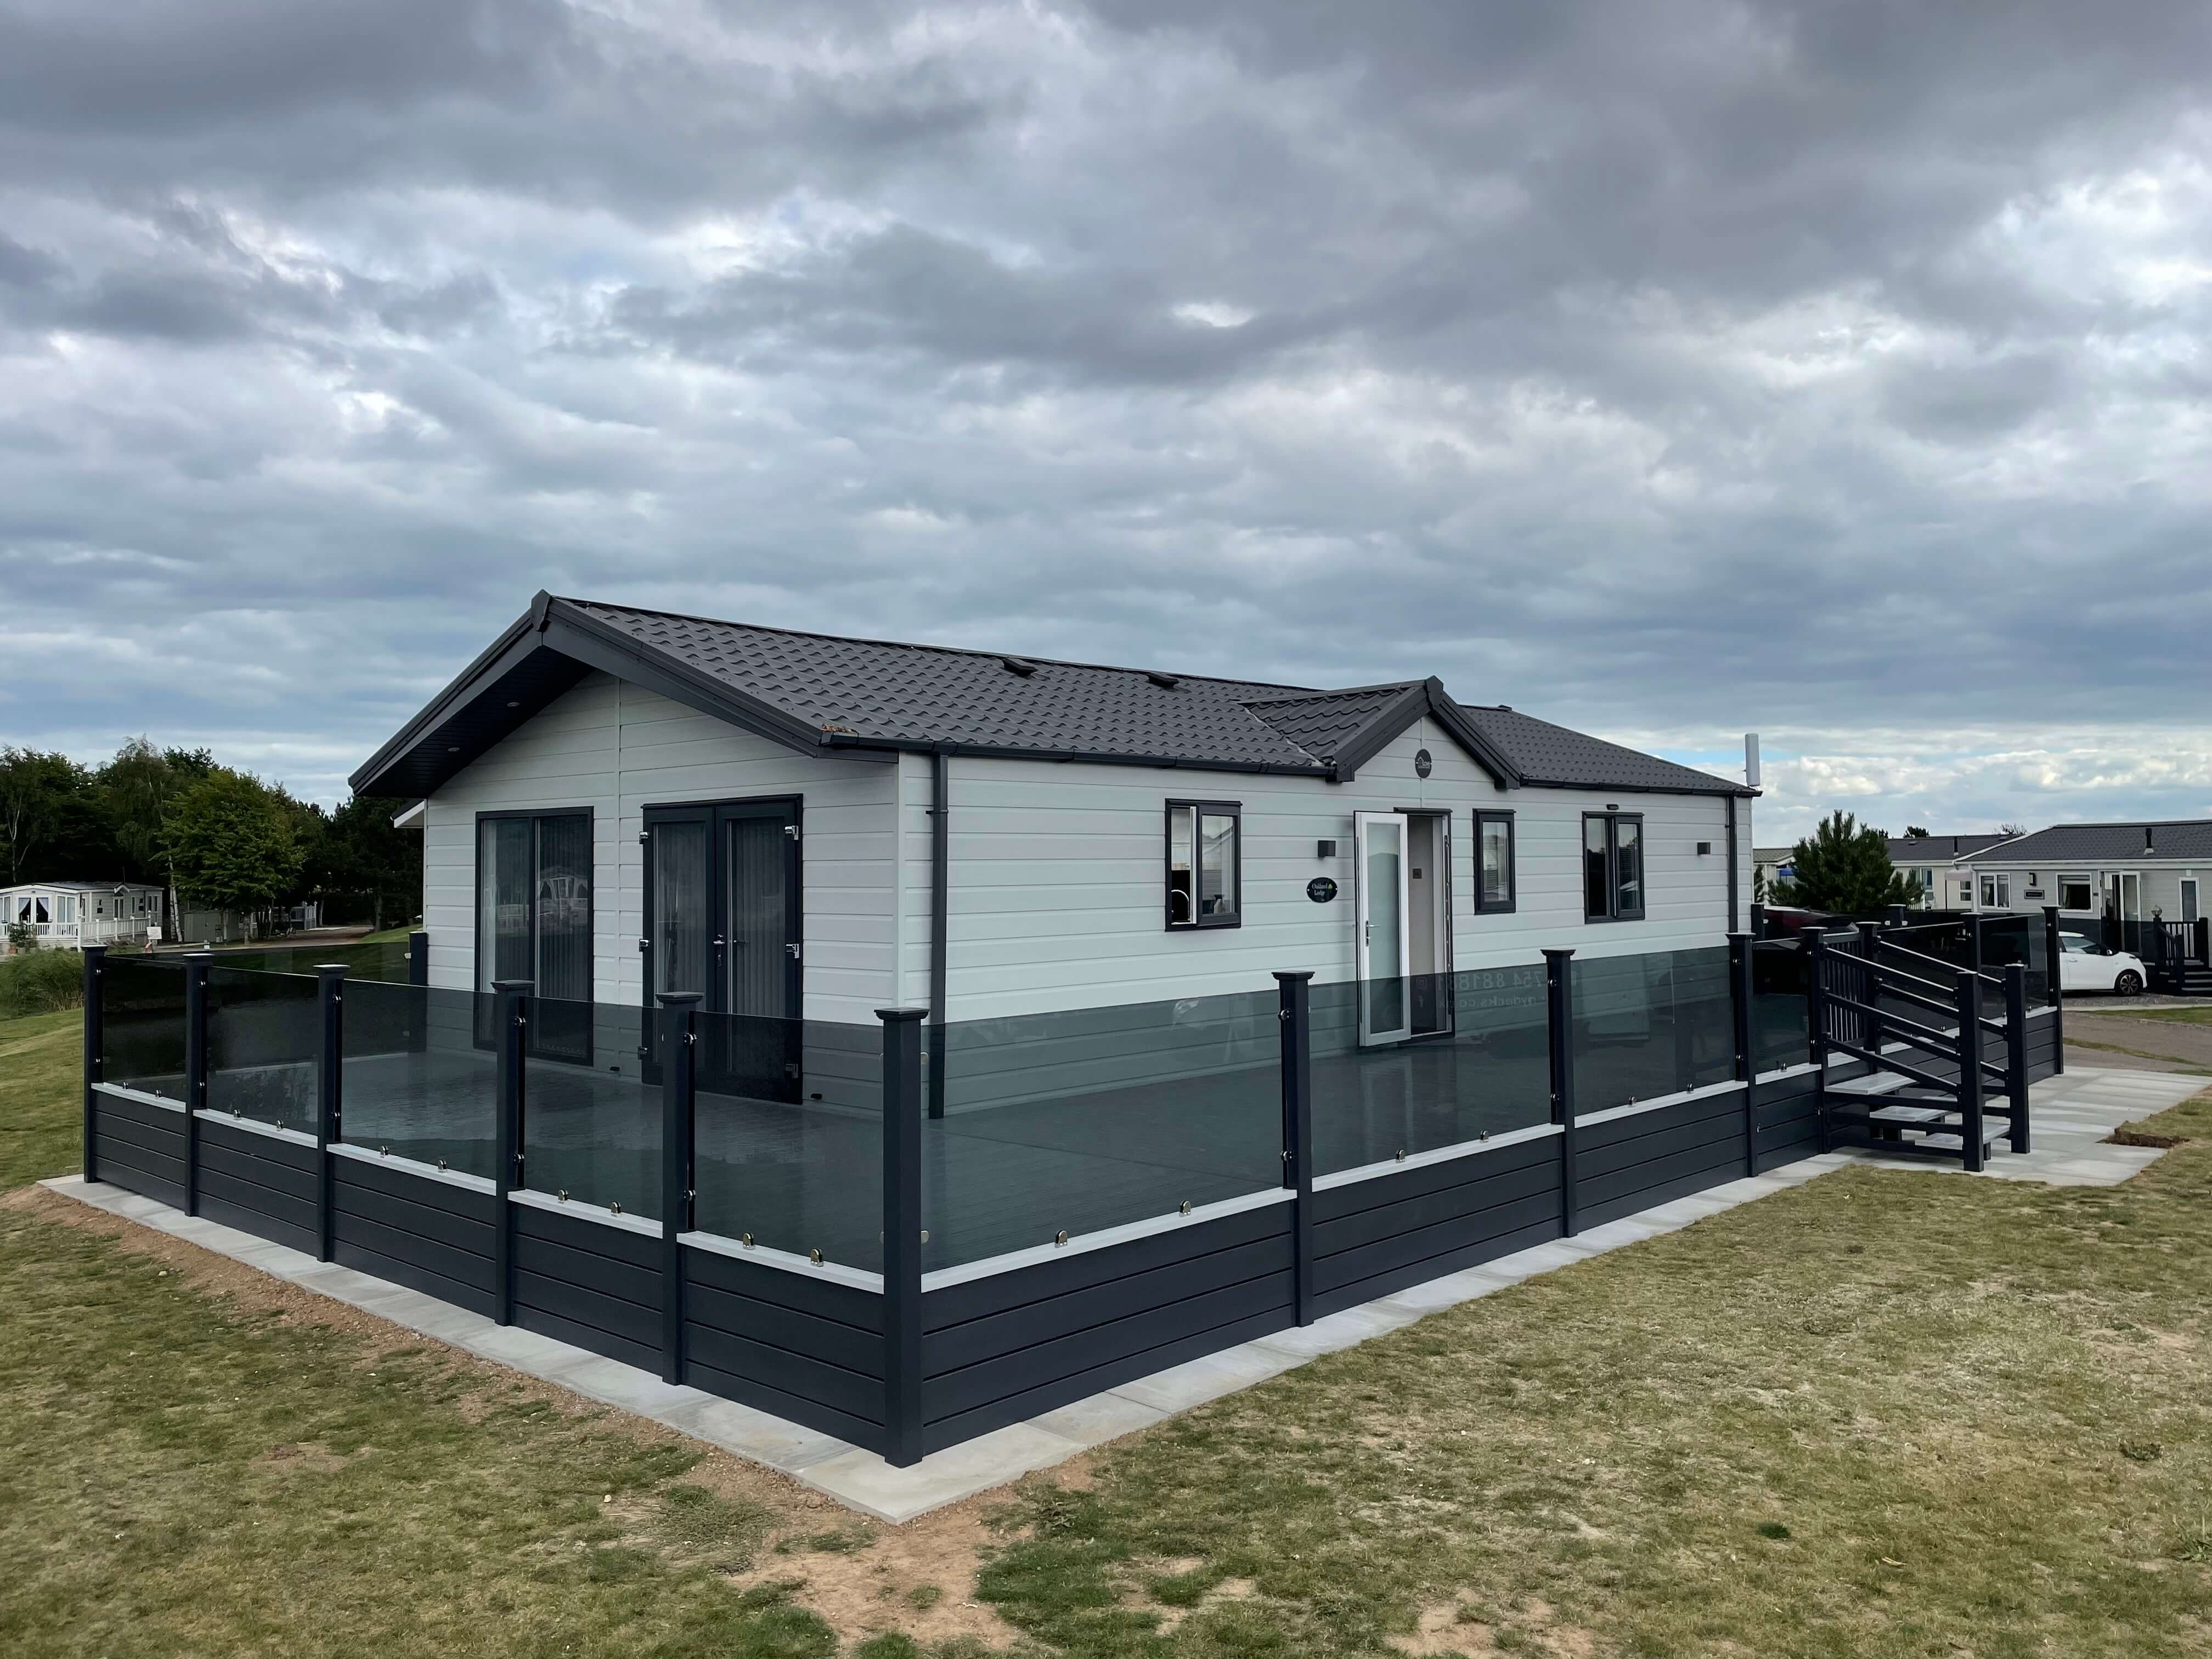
(1919, 1024)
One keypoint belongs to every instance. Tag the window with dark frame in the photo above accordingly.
(1613, 867)
(2077, 893)
(1205, 864)
(1494, 889)
(534, 918)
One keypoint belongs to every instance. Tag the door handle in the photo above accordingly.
(793, 949)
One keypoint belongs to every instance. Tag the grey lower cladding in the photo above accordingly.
(1000, 1342)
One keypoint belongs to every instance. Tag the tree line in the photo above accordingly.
(215, 837)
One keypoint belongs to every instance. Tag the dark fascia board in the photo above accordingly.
(515, 642)
(602, 646)
(1425, 698)
(553, 624)
(1721, 786)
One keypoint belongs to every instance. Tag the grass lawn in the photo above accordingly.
(1883, 1413)
(2173, 1016)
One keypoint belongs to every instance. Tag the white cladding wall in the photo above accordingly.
(1057, 873)
(1056, 870)
(2161, 886)
(615, 750)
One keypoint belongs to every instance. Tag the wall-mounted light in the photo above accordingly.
(1704, 849)
(1324, 849)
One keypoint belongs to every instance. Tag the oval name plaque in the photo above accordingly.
(1423, 763)
(1320, 889)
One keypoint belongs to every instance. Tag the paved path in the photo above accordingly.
(2073, 1114)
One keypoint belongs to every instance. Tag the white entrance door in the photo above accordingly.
(1386, 1011)
(2130, 896)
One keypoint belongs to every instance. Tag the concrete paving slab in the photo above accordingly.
(865, 1481)
(1629, 1230)
(614, 1383)
(750, 1432)
(1541, 1259)
(1208, 1378)
(526, 1351)
(1347, 1330)
(1102, 1417)
(1449, 1291)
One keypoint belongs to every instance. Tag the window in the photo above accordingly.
(2077, 893)
(1613, 867)
(534, 903)
(65, 909)
(1204, 864)
(1996, 892)
(1493, 852)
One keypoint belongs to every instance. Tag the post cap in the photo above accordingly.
(524, 985)
(333, 970)
(1561, 952)
(1287, 974)
(889, 1014)
(678, 998)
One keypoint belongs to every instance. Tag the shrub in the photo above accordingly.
(40, 981)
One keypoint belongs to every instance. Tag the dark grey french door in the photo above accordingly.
(723, 919)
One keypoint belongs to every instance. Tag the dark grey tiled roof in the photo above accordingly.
(931, 694)
(1544, 753)
(1938, 849)
(935, 694)
(1325, 722)
(2110, 843)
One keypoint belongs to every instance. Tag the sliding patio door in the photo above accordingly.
(722, 884)
(1379, 845)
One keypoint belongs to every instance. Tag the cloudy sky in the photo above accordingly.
(1670, 369)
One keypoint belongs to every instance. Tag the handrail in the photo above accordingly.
(1948, 967)
(1938, 1042)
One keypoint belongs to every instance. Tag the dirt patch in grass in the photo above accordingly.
(2128, 1135)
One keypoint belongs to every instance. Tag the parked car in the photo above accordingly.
(2084, 966)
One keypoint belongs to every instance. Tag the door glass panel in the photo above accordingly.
(503, 849)
(564, 909)
(1496, 860)
(679, 907)
(1386, 929)
(2189, 901)
(759, 919)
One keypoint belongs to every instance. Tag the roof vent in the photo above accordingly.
(1165, 682)
(1021, 665)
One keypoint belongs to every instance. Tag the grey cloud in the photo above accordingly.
(1676, 367)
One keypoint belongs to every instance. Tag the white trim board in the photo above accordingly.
(412, 1166)
(583, 1211)
(144, 1099)
(783, 1261)
(1439, 1154)
(1104, 1238)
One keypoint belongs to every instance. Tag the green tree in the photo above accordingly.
(52, 825)
(1845, 869)
(232, 842)
(369, 863)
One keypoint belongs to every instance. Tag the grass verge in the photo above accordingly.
(1884, 1413)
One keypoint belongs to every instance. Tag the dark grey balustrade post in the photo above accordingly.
(2016, 1084)
(330, 1082)
(1560, 1009)
(511, 1021)
(1294, 1012)
(2058, 989)
(1740, 993)
(195, 1069)
(904, 1103)
(680, 1072)
(1970, 1064)
(95, 1053)
(418, 957)
(1870, 985)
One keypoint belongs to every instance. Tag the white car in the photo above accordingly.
(2084, 966)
